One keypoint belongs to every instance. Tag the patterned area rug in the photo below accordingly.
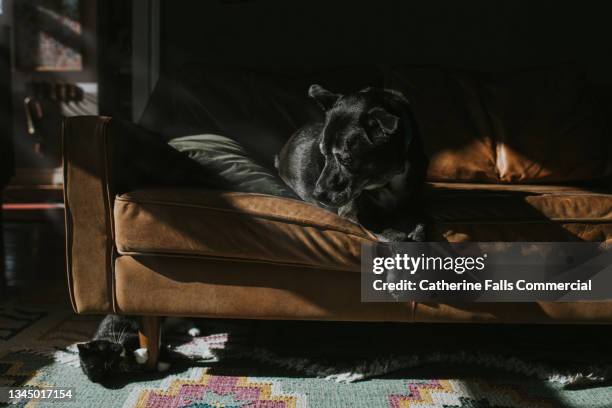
(37, 349)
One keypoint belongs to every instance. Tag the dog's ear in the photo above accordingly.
(322, 96)
(387, 122)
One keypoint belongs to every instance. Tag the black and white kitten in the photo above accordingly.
(111, 349)
(115, 348)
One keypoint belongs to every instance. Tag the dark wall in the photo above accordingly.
(7, 160)
(487, 35)
(115, 58)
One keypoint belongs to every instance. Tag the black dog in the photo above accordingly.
(365, 161)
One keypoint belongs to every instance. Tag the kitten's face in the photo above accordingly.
(100, 357)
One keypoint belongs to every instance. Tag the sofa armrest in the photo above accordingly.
(87, 146)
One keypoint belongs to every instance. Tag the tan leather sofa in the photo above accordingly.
(513, 157)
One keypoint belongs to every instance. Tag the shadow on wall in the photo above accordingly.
(475, 34)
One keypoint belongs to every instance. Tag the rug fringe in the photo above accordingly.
(580, 377)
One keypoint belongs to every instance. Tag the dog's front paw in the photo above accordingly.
(391, 235)
(418, 233)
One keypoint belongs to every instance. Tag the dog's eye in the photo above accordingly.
(343, 160)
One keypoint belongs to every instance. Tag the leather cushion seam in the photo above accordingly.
(231, 259)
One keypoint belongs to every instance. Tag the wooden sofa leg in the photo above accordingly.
(150, 338)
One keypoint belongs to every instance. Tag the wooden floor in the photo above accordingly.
(34, 260)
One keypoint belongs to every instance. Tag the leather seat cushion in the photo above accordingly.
(262, 228)
(236, 226)
(490, 212)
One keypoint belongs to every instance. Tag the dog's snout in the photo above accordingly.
(328, 198)
(332, 187)
(320, 195)
(341, 183)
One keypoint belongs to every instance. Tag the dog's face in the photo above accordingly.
(362, 143)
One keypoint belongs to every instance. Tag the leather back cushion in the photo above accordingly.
(234, 170)
(537, 126)
(258, 109)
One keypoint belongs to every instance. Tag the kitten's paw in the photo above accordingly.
(141, 355)
(194, 332)
(162, 366)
